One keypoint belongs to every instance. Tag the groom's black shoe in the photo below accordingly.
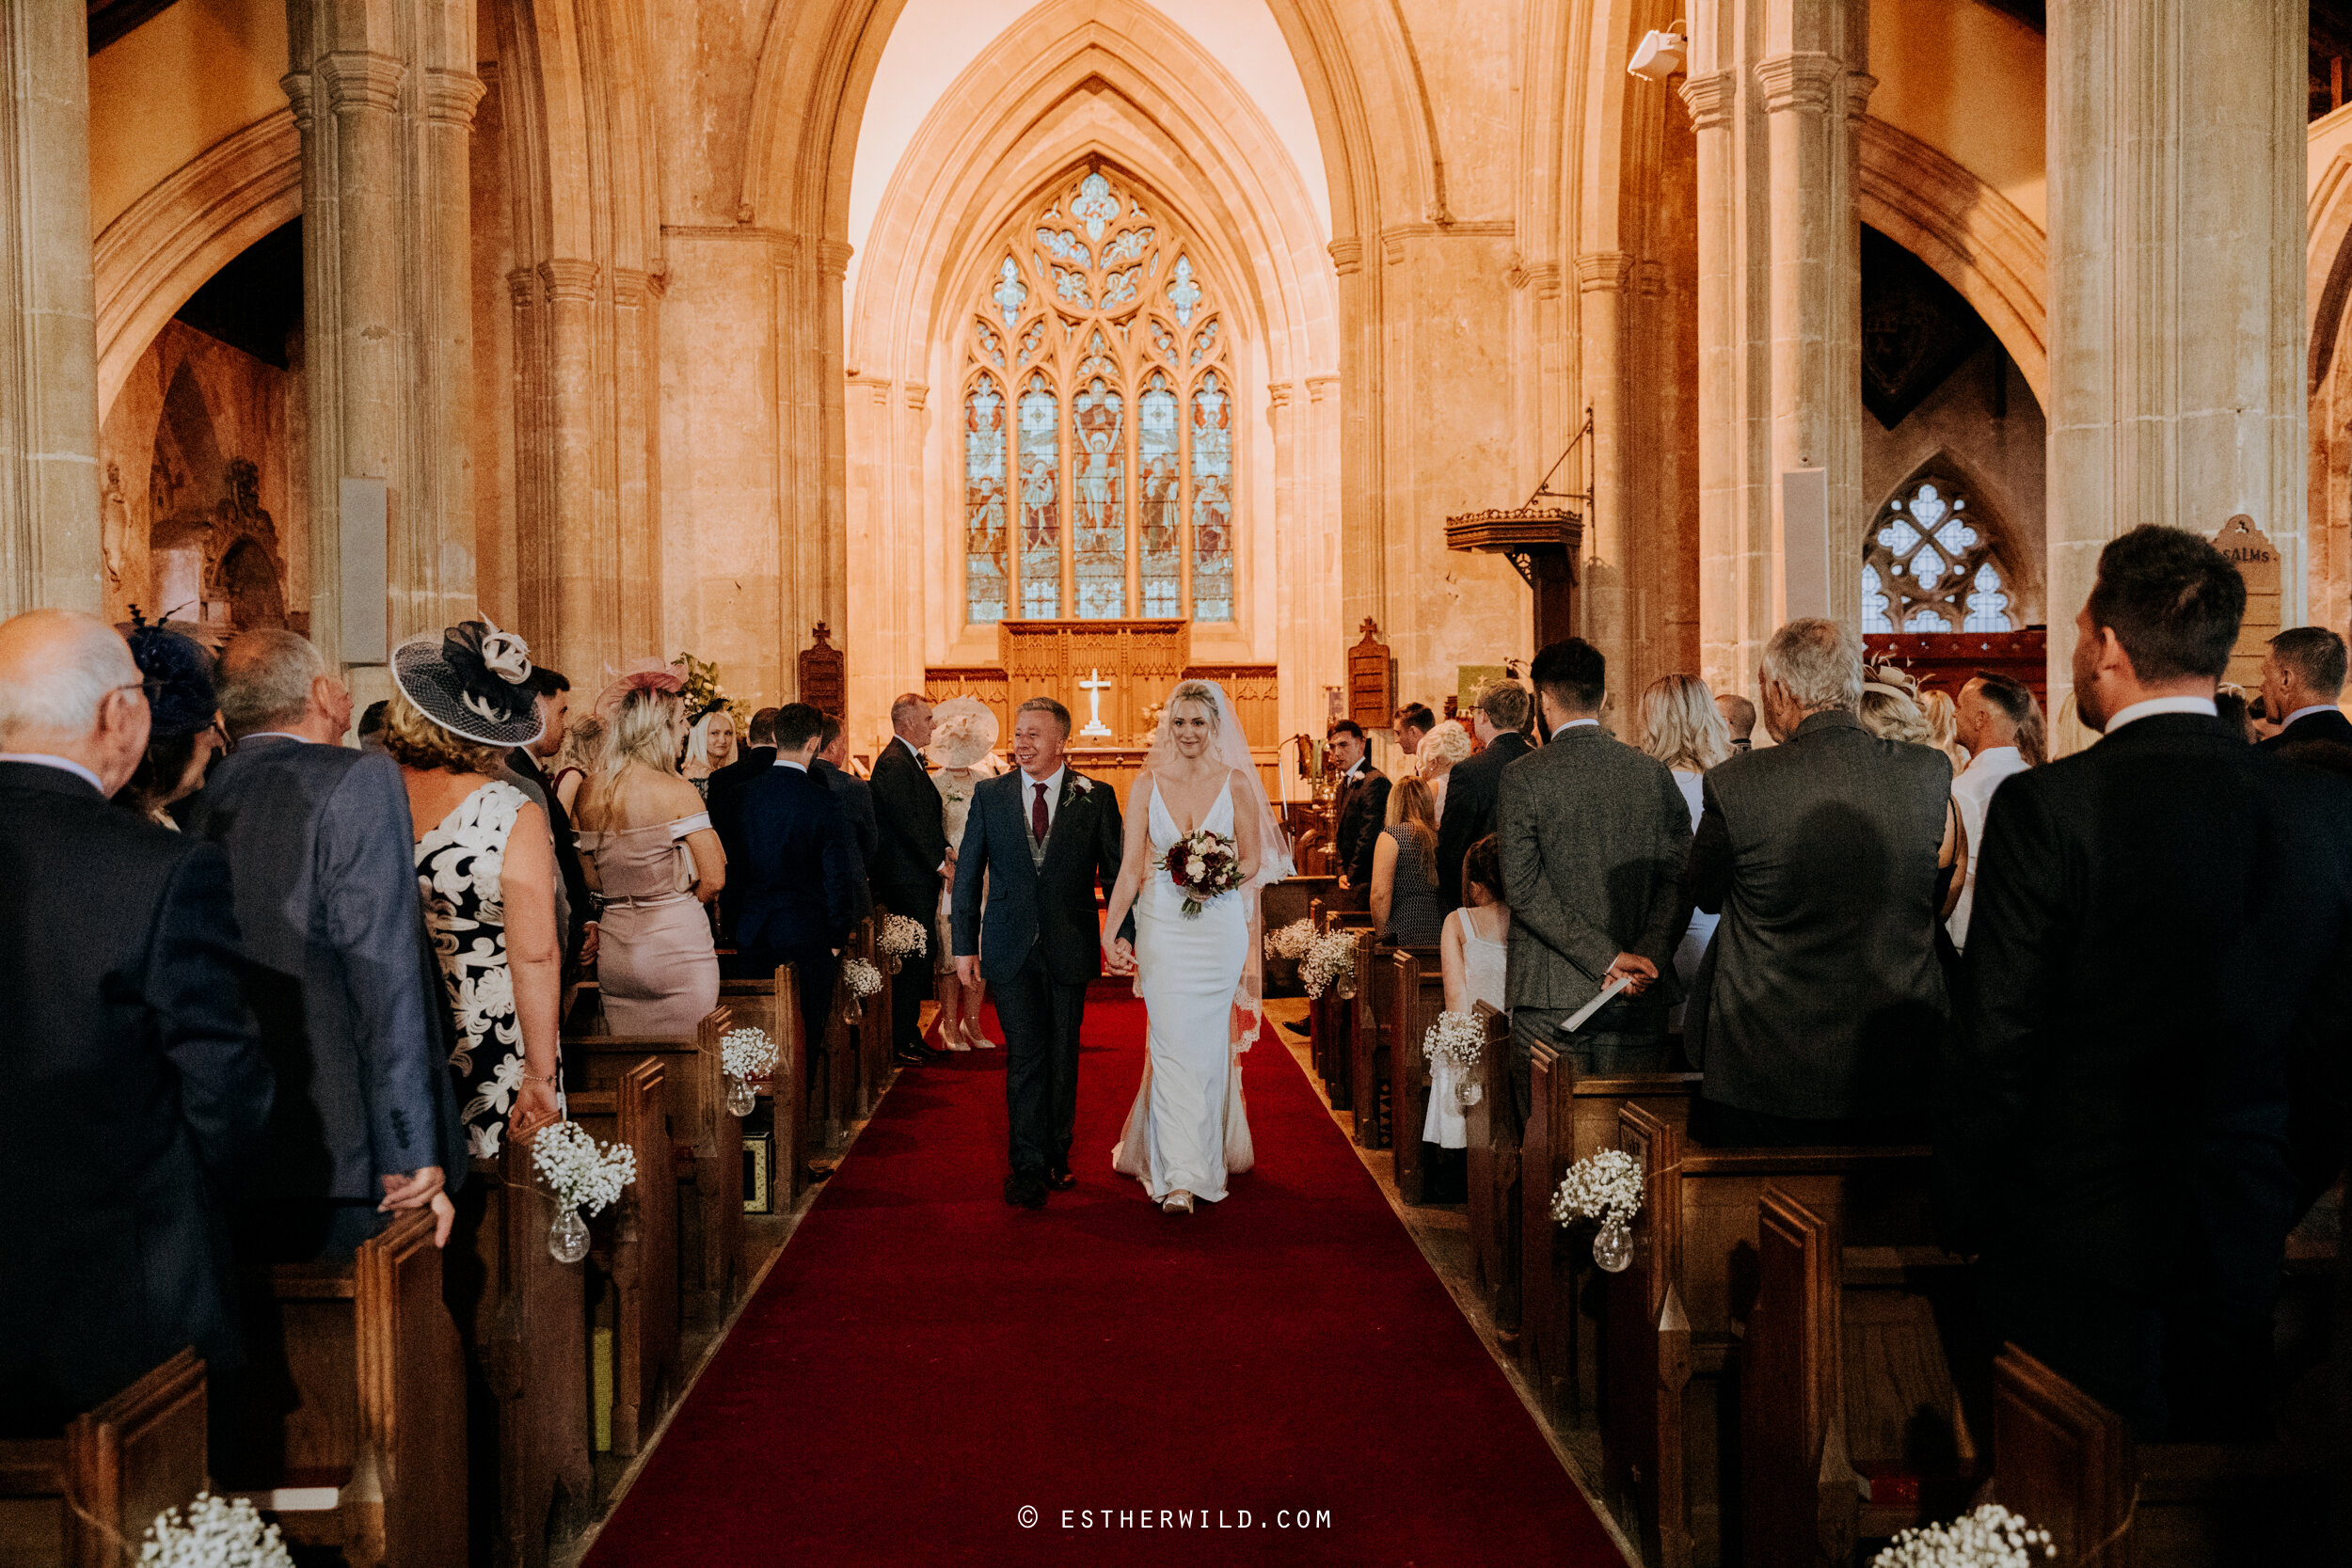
(1025, 1189)
(909, 1058)
(1061, 1179)
(1299, 1026)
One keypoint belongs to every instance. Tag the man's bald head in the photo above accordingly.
(69, 688)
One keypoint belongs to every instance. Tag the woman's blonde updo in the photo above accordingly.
(1201, 693)
(640, 730)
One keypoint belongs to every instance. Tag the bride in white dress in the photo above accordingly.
(1199, 976)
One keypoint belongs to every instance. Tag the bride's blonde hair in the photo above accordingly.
(1196, 692)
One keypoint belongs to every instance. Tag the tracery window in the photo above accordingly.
(1098, 381)
(1926, 567)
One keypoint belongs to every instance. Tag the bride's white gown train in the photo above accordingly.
(1188, 1128)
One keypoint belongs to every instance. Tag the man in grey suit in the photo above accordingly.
(322, 862)
(1820, 1006)
(1592, 837)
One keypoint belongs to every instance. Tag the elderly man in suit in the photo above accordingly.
(2150, 1085)
(1592, 834)
(857, 805)
(800, 868)
(909, 858)
(132, 1093)
(1474, 786)
(1359, 809)
(1819, 1005)
(322, 858)
(2302, 682)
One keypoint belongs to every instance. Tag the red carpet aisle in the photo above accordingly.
(924, 1362)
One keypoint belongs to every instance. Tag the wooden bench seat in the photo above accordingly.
(86, 1499)
(1414, 996)
(638, 1250)
(1492, 1161)
(773, 1003)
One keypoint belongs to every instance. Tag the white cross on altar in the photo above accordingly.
(1094, 687)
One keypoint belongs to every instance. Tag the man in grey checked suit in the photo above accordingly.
(1593, 835)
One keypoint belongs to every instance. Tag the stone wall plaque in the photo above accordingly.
(2257, 562)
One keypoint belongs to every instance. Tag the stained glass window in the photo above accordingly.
(1926, 567)
(1101, 315)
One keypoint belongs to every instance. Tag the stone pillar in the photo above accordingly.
(1601, 282)
(582, 549)
(1734, 577)
(50, 552)
(2177, 212)
(1363, 553)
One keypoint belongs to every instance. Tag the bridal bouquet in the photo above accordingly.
(1455, 1042)
(585, 1173)
(902, 937)
(1330, 960)
(1203, 865)
(1291, 940)
(214, 1532)
(1991, 1537)
(1607, 1187)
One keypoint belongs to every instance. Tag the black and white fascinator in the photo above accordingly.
(474, 681)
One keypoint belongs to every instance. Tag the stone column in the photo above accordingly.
(49, 551)
(2177, 197)
(1734, 577)
(583, 550)
(1363, 554)
(1601, 280)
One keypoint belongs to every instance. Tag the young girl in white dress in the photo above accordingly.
(1471, 952)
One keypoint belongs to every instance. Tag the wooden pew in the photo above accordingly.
(87, 1499)
(1492, 1159)
(363, 1363)
(708, 1140)
(2069, 1465)
(1844, 1368)
(1367, 1012)
(1414, 995)
(773, 1003)
(874, 1029)
(1333, 1016)
(1571, 1116)
(841, 1052)
(1294, 898)
(638, 1250)
(1674, 1318)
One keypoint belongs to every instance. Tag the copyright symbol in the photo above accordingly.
(1028, 1518)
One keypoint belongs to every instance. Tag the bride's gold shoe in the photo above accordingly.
(1178, 1202)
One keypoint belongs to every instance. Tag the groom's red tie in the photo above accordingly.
(1036, 811)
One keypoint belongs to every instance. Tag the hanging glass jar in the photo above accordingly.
(567, 1238)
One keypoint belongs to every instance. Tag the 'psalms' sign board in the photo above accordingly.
(2257, 562)
(1370, 680)
(824, 678)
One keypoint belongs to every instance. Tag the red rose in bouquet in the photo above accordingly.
(1203, 865)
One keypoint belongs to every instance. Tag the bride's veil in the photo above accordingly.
(1231, 746)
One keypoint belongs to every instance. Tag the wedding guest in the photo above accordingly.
(1499, 721)
(2231, 706)
(1821, 1000)
(709, 746)
(1359, 809)
(1683, 728)
(2002, 729)
(531, 762)
(654, 861)
(2302, 682)
(320, 856)
(1591, 840)
(1404, 870)
(1473, 959)
(485, 866)
(1943, 717)
(371, 730)
(132, 1093)
(183, 733)
(1739, 719)
(962, 747)
(582, 754)
(2151, 1084)
(911, 860)
(857, 803)
(1442, 749)
(1413, 723)
(800, 866)
(1889, 708)
(725, 800)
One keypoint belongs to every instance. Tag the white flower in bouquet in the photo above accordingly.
(1991, 1537)
(1454, 1038)
(1291, 940)
(1330, 959)
(864, 978)
(1606, 1186)
(581, 1172)
(214, 1532)
(904, 937)
(747, 1053)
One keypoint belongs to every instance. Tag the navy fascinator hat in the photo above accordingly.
(180, 698)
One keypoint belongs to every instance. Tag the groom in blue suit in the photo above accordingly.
(1050, 836)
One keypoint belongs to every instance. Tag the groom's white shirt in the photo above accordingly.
(1053, 794)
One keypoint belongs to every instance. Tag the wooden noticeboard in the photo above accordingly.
(2257, 562)
(824, 678)
(1370, 680)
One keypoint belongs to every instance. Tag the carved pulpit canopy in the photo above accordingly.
(1542, 544)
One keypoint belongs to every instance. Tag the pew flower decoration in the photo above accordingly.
(862, 980)
(1455, 1048)
(1291, 941)
(214, 1532)
(1991, 1537)
(583, 1173)
(901, 938)
(746, 1056)
(1606, 1187)
(1330, 960)
(1202, 865)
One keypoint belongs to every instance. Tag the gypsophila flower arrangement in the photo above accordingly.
(747, 1053)
(1454, 1038)
(214, 1532)
(1991, 1537)
(1330, 960)
(903, 938)
(1607, 1187)
(1291, 940)
(580, 1171)
(863, 978)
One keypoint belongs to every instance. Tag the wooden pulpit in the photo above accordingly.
(1542, 544)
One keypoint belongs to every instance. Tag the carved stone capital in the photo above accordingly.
(1649, 280)
(1710, 99)
(354, 79)
(1806, 81)
(632, 289)
(915, 394)
(1278, 394)
(1860, 85)
(1321, 387)
(832, 257)
(1347, 256)
(450, 95)
(568, 280)
(522, 287)
(1604, 271)
(296, 87)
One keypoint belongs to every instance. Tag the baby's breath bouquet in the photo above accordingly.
(1991, 1537)
(1606, 1187)
(214, 1532)
(901, 938)
(1291, 940)
(1330, 960)
(583, 1174)
(861, 980)
(746, 1054)
(1455, 1049)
